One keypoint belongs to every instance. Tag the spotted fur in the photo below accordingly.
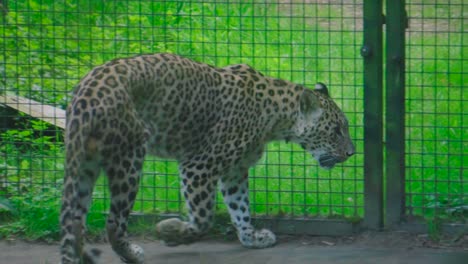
(214, 121)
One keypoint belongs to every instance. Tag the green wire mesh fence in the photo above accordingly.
(437, 109)
(49, 45)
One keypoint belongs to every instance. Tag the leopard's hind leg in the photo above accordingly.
(81, 171)
(123, 166)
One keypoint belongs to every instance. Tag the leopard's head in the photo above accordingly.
(322, 128)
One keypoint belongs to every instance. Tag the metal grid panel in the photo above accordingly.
(437, 109)
(49, 45)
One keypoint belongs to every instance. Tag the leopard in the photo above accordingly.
(215, 122)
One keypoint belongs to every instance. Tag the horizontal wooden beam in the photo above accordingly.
(47, 113)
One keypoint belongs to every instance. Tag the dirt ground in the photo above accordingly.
(369, 247)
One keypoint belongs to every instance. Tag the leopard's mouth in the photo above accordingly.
(327, 161)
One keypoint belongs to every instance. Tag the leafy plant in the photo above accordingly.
(435, 228)
(7, 210)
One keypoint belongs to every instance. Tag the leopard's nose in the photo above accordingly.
(351, 150)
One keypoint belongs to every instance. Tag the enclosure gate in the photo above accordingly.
(409, 128)
(448, 198)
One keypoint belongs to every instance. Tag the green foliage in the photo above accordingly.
(34, 137)
(434, 228)
(446, 206)
(28, 191)
(37, 216)
(7, 210)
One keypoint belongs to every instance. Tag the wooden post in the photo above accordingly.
(52, 115)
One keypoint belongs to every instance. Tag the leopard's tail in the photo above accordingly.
(81, 172)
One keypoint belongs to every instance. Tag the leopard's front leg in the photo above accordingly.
(236, 198)
(198, 187)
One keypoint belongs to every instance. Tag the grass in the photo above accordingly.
(49, 45)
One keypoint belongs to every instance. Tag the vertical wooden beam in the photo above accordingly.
(373, 114)
(396, 24)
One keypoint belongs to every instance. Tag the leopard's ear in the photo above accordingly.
(310, 105)
(322, 88)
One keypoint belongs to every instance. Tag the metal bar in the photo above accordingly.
(308, 226)
(445, 228)
(290, 226)
(396, 24)
(373, 123)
